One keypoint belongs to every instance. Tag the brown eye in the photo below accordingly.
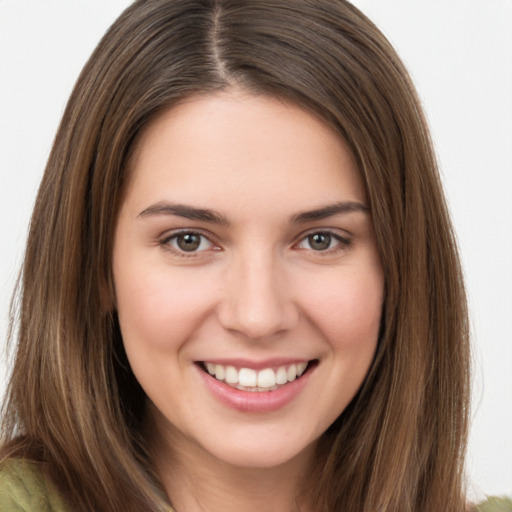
(323, 242)
(319, 241)
(188, 242)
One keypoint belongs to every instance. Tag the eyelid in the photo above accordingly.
(344, 241)
(168, 236)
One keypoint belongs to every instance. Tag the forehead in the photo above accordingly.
(242, 146)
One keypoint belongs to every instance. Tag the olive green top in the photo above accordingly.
(25, 488)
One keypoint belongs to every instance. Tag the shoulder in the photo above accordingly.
(495, 505)
(25, 488)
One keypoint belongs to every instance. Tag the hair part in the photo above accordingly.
(73, 401)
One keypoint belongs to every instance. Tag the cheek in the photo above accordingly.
(159, 307)
(348, 309)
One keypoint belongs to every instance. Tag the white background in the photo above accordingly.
(459, 53)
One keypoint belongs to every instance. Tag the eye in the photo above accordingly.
(188, 242)
(322, 241)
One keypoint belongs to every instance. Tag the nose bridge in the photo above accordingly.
(258, 302)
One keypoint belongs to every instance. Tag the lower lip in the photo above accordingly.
(255, 401)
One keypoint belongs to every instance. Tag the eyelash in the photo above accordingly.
(342, 243)
(166, 243)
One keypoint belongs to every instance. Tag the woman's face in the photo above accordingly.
(248, 285)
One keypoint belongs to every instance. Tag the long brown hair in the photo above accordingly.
(72, 400)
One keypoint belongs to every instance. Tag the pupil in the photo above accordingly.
(188, 242)
(320, 241)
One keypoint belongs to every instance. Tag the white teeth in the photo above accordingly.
(248, 379)
(266, 378)
(281, 376)
(301, 367)
(219, 372)
(231, 375)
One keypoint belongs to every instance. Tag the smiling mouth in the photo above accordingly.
(266, 379)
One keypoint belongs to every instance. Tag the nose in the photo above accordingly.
(257, 302)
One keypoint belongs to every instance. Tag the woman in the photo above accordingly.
(241, 287)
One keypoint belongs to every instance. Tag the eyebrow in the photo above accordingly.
(182, 210)
(329, 211)
(213, 217)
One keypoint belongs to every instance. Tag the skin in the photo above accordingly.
(257, 288)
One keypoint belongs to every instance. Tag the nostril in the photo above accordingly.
(257, 320)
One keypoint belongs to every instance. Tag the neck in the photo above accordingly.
(218, 489)
(196, 481)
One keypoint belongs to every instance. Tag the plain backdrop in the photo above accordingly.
(459, 53)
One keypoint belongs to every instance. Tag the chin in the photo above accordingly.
(260, 453)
